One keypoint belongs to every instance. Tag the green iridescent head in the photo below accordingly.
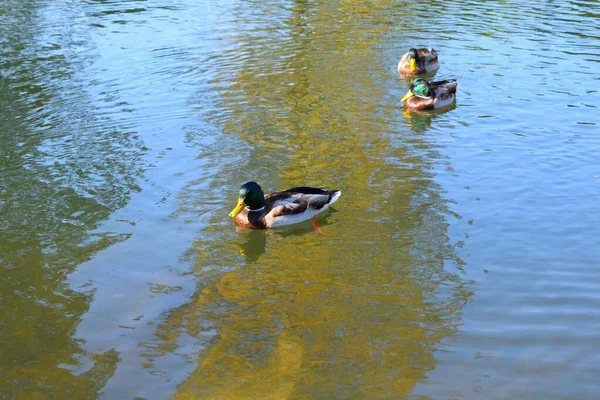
(413, 53)
(251, 195)
(413, 59)
(419, 87)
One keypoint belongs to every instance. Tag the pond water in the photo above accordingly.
(460, 262)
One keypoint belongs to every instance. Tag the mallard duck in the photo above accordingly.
(419, 61)
(424, 95)
(257, 211)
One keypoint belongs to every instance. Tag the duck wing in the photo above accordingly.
(447, 86)
(428, 56)
(299, 199)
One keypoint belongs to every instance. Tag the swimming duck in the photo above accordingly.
(424, 95)
(257, 211)
(419, 61)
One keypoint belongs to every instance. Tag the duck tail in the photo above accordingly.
(334, 195)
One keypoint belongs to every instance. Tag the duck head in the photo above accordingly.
(413, 59)
(418, 87)
(251, 196)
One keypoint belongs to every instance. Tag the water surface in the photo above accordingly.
(460, 261)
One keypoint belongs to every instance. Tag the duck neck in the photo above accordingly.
(255, 203)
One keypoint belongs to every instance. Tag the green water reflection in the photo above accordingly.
(62, 174)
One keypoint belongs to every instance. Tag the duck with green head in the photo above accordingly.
(425, 95)
(257, 211)
(418, 61)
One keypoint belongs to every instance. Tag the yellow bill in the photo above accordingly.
(408, 95)
(238, 209)
(413, 65)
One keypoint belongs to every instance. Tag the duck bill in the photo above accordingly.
(407, 95)
(238, 209)
(413, 65)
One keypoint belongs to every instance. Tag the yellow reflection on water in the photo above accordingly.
(296, 325)
(354, 313)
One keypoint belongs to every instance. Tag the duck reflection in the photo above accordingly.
(254, 245)
(255, 240)
(420, 121)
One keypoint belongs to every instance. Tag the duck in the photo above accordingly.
(418, 61)
(256, 211)
(425, 95)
